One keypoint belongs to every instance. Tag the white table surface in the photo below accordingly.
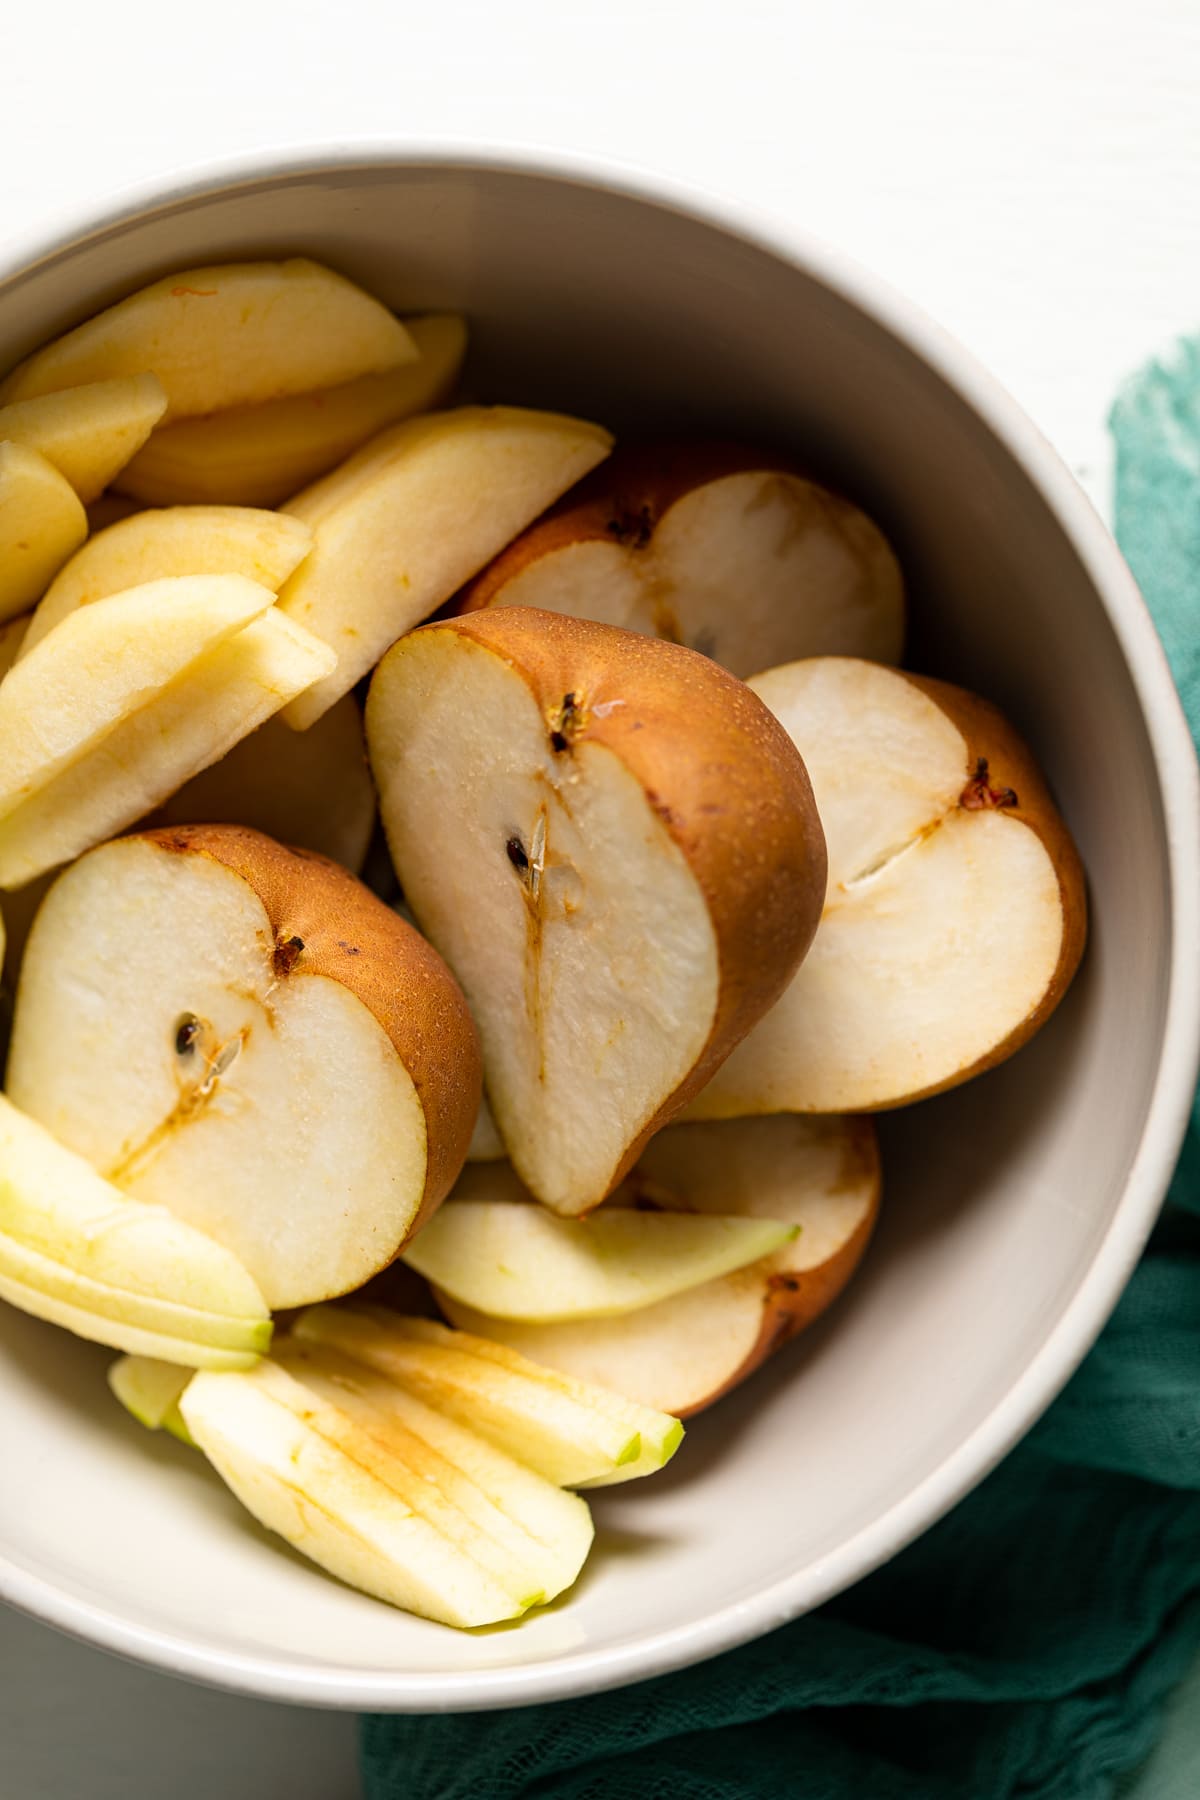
(1028, 170)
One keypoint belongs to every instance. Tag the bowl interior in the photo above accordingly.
(997, 1198)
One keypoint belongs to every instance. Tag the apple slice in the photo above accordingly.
(231, 335)
(77, 1252)
(575, 1434)
(518, 1521)
(181, 540)
(679, 1356)
(493, 1248)
(96, 730)
(729, 550)
(88, 433)
(485, 1139)
(42, 522)
(310, 789)
(298, 1074)
(12, 635)
(956, 911)
(150, 1390)
(348, 1500)
(402, 525)
(615, 847)
(258, 455)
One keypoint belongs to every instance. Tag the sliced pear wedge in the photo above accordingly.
(572, 1432)
(364, 1501)
(492, 1247)
(76, 1251)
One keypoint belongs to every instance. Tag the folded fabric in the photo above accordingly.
(1025, 1646)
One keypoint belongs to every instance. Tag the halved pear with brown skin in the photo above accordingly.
(311, 789)
(730, 550)
(401, 525)
(369, 1511)
(177, 541)
(820, 1174)
(298, 1073)
(956, 912)
(496, 1250)
(42, 523)
(615, 847)
(573, 1433)
(88, 433)
(259, 455)
(232, 334)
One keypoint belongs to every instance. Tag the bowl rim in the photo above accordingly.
(591, 1671)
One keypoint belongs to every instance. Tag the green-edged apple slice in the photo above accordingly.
(150, 1391)
(77, 1252)
(574, 1433)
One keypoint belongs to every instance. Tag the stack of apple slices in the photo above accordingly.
(422, 1465)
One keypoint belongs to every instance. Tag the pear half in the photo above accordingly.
(730, 550)
(75, 1251)
(615, 847)
(297, 1073)
(683, 1353)
(956, 912)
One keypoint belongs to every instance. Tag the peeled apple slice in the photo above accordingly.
(259, 455)
(88, 433)
(574, 1433)
(228, 335)
(42, 522)
(75, 1251)
(492, 1247)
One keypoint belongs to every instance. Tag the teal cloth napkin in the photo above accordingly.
(1027, 1645)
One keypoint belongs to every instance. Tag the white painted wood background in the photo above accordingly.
(1029, 170)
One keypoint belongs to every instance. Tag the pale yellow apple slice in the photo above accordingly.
(684, 1353)
(730, 550)
(312, 789)
(614, 846)
(42, 522)
(956, 913)
(77, 1252)
(12, 635)
(493, 1248)
(572, 1432)
(521, 1527)
(230, 335)
(150, 1391)
(88, 433)
(124, 741)
(180, 540)
(420, 508)
(259, 455)
(298, 1074)
(485, 1139)
(308, 1473)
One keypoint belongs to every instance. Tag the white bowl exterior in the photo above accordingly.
(1014, 1209)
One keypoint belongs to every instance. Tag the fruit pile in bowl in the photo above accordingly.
(468, 884)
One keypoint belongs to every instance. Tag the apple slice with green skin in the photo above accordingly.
(494, 1249)
(333, 1490)
(265, 547)
(259, 455)
(42, 522)
(88, 433)
(956, 912)
(572, 1432)
(615, 847)
(727, 549)
(683, 1353)
(299, 1073)
(230, 335)
(530, 1528)
(98, 728)
(310, 789)
(401, 525)
(77, 1252)
(150, 1390)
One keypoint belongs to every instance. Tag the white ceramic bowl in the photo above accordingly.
(1014, 1209)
